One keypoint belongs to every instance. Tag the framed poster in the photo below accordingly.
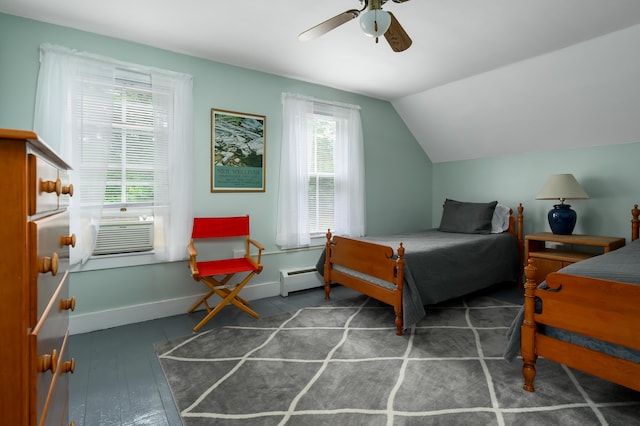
(237, 151)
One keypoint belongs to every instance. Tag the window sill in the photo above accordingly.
(110, 261)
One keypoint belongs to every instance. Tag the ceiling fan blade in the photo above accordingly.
(396, 36)
(328, 25)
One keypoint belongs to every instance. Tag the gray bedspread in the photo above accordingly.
(619, 265)
(443, 265)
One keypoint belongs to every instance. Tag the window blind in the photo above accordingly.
(321, 174)
(135, 158)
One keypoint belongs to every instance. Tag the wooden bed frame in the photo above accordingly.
(574, 308)
(378, 261)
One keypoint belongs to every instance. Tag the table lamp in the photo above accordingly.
(562, 219)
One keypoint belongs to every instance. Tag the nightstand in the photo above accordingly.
(574, 249)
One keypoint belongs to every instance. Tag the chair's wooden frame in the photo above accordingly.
(229, 293)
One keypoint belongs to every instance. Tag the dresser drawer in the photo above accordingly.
(52, 403)
(48, 348)
(50, 258)
(57, 402)
(45, 186)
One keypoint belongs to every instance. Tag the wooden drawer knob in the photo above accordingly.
(48, 264)
(69, 240)
(68, 304)
(69, 366)
(48, 362)
(51, 186)
(68, 189)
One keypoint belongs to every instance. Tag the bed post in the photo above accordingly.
(516, 228)
(327, 266)
(528, 329)
(520, 225)
(520, 235)
(399, 284)
(635, 222)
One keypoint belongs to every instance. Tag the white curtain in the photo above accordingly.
(174, 200)
(349, 169)
(65, 77)
(62, 80)
(292, 229)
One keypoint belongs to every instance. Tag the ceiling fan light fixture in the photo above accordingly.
(375, 22)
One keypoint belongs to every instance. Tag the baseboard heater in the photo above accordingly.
(299, 279)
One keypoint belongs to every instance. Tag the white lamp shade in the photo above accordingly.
(370, 18)
(561, 187)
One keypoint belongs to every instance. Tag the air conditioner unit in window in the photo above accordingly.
(124, 236)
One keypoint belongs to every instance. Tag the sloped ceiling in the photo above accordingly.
(453, 40)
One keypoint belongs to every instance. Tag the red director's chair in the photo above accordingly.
(205, 271)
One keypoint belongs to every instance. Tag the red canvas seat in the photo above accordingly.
(223, 267)
(207, 271)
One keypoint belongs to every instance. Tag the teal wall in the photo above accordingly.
(398, 172)
(405, 190)
(608, 175)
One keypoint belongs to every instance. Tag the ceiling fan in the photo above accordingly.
(374, 22)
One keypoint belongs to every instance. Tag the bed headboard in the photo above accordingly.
(516, 227)
(516, 223)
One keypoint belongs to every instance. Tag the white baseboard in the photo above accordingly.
(100, 320)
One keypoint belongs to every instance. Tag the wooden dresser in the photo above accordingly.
(34, 289)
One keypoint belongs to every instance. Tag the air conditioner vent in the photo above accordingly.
(116, 237)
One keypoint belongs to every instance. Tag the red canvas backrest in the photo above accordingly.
(215, 227)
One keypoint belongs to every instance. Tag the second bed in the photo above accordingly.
(427, 267)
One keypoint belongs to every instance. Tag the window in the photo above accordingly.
(130, 171)
(321, 174)
(321, 171)
(136, 162)
(132, 150)
(127, 132)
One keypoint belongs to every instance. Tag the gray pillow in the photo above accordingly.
(467, 218)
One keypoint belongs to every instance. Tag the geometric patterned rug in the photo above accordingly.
(341, 363)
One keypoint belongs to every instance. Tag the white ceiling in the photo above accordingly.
(452, 39)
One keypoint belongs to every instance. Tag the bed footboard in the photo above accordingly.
(359, 264)
(599, 309)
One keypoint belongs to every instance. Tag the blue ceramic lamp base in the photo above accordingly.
(562, 219)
